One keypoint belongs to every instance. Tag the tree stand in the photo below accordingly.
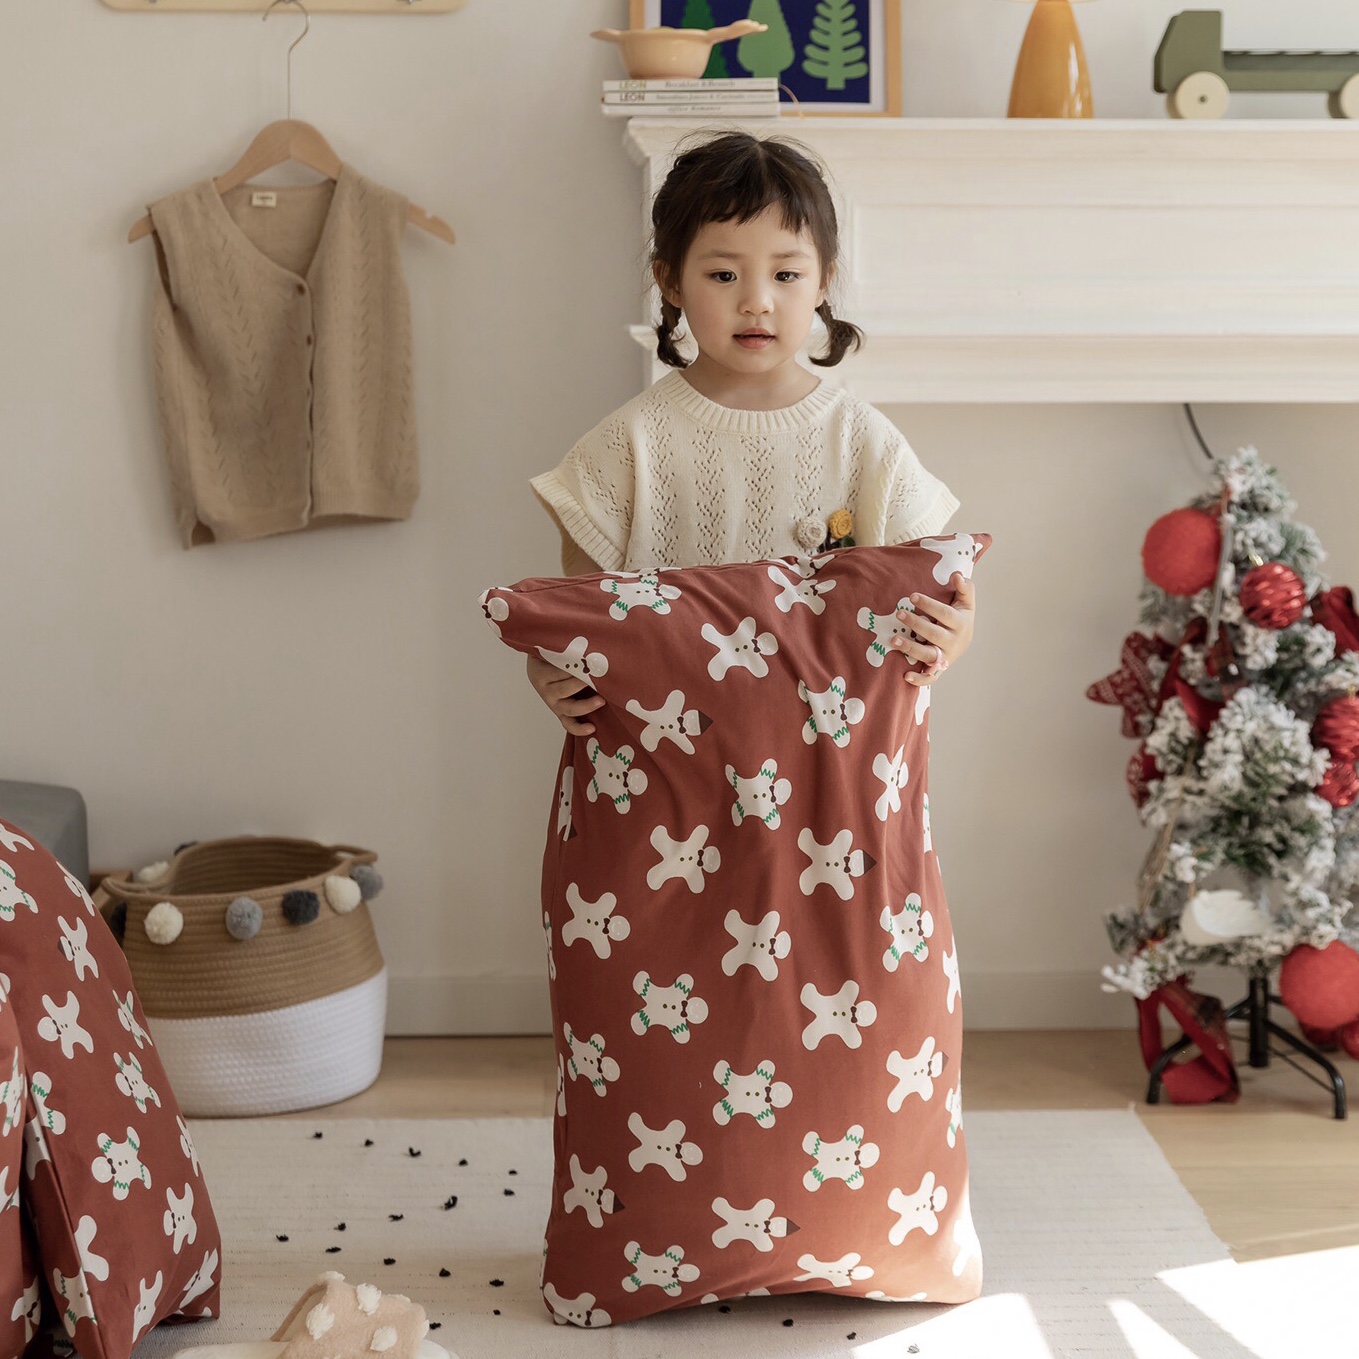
(1254, 1009)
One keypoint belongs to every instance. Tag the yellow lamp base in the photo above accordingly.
(1051, 79)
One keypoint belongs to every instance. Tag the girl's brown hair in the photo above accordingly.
(735, 177)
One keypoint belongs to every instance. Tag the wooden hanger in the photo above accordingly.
(290, 139)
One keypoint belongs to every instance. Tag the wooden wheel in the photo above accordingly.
(1201, 95)
(1344, 102)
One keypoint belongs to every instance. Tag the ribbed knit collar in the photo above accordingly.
(813, 407)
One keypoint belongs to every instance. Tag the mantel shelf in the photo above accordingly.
(1108, 260)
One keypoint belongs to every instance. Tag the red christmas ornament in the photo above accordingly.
(1334, 609)
(1131, 686)
(1339, 785)
(1273, 596)
(1181, 550)
(1321, 985)
(1337, 728)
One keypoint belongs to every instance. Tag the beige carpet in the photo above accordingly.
(1092, 1246)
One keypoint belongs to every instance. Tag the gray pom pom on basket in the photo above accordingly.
(244, 917)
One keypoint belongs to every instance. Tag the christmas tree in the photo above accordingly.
(769, 53)
(836, 52)
(699, 14)
(1240, 688)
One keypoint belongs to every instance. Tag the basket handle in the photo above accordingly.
(354, 854)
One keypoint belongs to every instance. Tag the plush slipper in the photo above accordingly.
(335, 1320)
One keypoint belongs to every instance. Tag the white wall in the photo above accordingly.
(342, 684)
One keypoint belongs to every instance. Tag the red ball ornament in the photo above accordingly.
(1337, 728)
(1273, 596)
(1339, 785)
(1181, 550)
(1321, 985)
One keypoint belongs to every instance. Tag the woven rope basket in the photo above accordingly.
(287, 1018)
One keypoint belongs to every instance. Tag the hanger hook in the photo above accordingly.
(273, 6)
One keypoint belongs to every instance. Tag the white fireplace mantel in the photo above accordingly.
(997, 260)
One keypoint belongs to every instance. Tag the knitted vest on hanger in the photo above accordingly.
(282, 351)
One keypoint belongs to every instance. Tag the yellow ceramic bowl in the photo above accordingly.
(671, 53)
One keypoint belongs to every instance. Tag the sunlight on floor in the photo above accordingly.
(1290, 1306)
(985, 1329)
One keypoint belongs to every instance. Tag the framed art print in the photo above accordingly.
(829, 56)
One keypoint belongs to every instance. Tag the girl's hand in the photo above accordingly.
(557, 688)
(940, 632)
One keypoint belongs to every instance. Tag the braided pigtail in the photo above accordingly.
(843, 337)
(666, 349)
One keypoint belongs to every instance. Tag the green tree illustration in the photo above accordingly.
(771, 53)
(699, 14)
(836, 52)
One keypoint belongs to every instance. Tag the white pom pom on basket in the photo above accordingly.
(289, 1018)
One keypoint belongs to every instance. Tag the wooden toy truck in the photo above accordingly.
(1197, 76)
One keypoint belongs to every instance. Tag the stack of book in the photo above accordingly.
(743, 97)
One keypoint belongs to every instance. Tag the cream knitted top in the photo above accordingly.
(282, 350)
(673, 479)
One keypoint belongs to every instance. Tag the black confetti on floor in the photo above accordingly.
(332, 1250)
(851, 1335)
(913, 1349)
(497, 1283)
(390, 1260)
(317, 1136)
(411, 1151)
(280, 1238)
(340, 1226)
(463, 1162)
(367, 1141)
(435, 1325)
(445, 1273)
(395, 1217)
(450, 1202)
(495, 1311)
(788, 1321)
(514, 1172)
(509, 1193)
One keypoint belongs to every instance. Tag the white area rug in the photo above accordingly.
(1093, 1248)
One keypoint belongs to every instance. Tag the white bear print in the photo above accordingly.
(71, 1293)
(843, 1160)
(757, 1094)
(953, 1102)
(186, 1143)
(132, 1082)
(841, 1273)
(687, 859)
(547, 933)
(615, 778)
(841, 1015)
(12, 1090)
(757, 1224)
(48, 1119)
(577, 660)
(128, 1019)
(925, 822)
(77, 889)
(922, 704)
(672, 721)
(834, 864)
(759, 946)
(884, 627)
(178, 1221)
(672, 1008)
(62, 1025)
(12, 841)
(739, 650)
(28, 1305)
(201, 1281)
(806, 590)
(561, 1087)
(965, 1236)
(494, 610)
(640, 590)
(593, 921)
(833, 713)
(893, 775)
(588, 1062)
(589, 1193)
(918, 1211)
(9, 1198)
(915, 1075)
(12, 896)
(74, 947)
(668, 1272)
(951, 976)
(664, 1147)
(119, 1164)
(955, 554)
(564, 791)
(909, 929)
(577, 1311)
(760, 797)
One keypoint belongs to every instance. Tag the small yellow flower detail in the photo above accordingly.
(840, 524)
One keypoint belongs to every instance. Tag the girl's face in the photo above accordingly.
(749, 292)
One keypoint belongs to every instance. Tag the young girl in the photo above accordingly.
(742, 453)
